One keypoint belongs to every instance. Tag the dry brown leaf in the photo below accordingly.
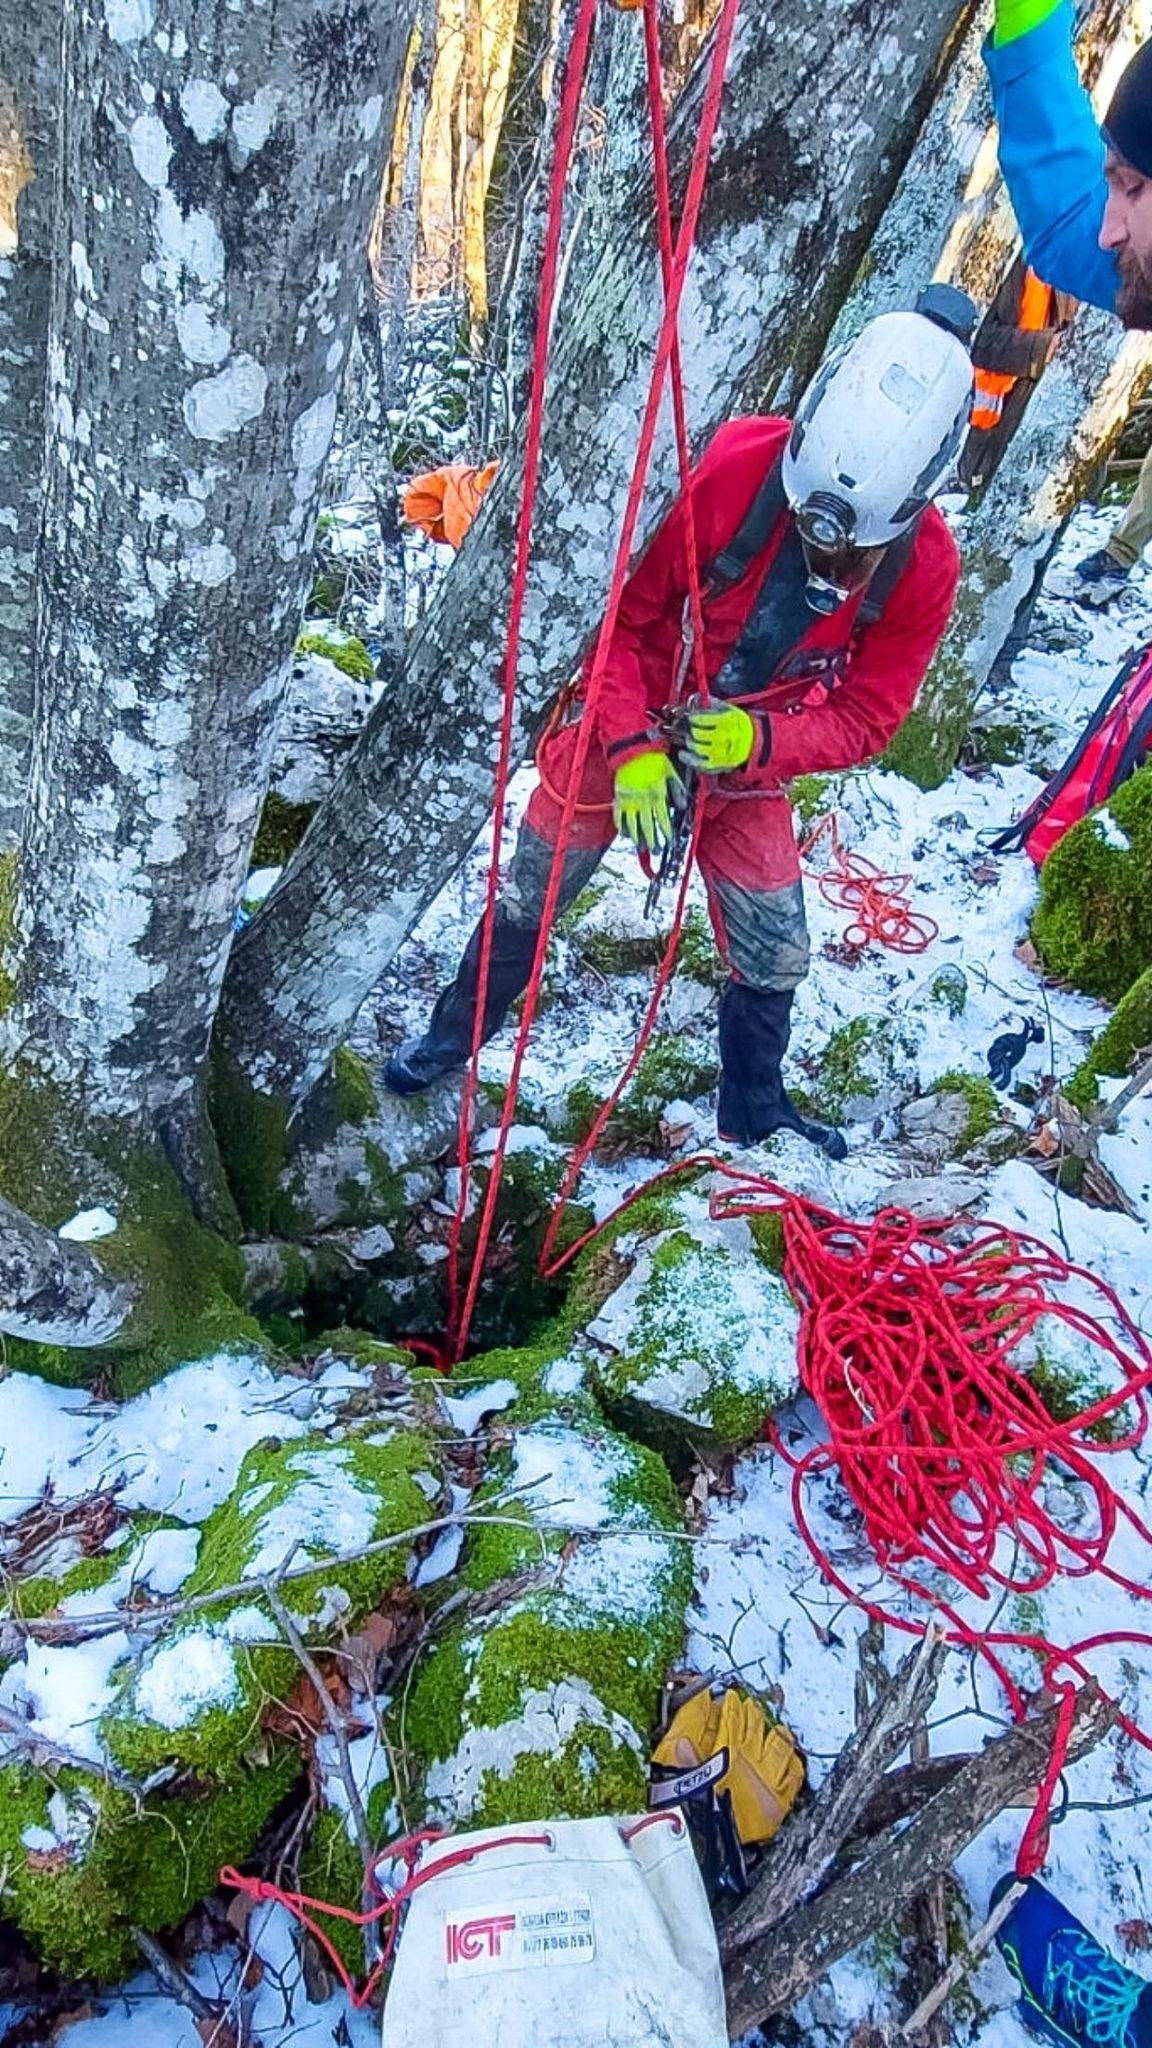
(1045, 1142)
(215, 2033)
(87, 2011)
(1136, 1936)
(238, 1913)
(50, 1861)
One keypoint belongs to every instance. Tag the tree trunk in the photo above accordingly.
(29, 99)
(774, 1973)
(950, 217)
(215, 189)
(514, 155)
(419, 784)
(1074, 419)
(524, 293)
(54, 1292)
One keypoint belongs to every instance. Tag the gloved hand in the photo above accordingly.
(1015, 18)
(719, 740)
(641, 805)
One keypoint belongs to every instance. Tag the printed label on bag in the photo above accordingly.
(530, 1935)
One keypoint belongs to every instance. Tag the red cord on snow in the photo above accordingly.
(879, 903)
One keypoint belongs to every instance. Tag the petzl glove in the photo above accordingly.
(719, 740)
(641, 802)
(1014, 18)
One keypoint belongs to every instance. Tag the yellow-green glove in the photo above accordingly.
(641, 804)
(719, 740)
(1014, 18)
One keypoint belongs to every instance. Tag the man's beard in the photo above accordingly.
(1134, 302)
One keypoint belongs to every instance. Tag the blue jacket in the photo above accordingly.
(1052, 156)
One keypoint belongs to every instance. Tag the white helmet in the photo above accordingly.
(878, 431)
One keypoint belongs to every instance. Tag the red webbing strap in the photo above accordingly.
(460, 1319)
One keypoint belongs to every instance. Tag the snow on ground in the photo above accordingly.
(761, 1606)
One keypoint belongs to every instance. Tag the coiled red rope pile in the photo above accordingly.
(912, 1340)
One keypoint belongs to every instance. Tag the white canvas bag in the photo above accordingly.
(580, 1934)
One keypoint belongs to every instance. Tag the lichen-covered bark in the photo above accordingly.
(54, 1292)
(28, 103)
(782, 208)
(218, 168)
(1079, 410)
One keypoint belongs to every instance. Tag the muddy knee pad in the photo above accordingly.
(763, 934)
(522, 897)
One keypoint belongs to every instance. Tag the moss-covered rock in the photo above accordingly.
(699, 1341)
(1070, 1376)
(344, 650)
(860, 1072)
(56, 1159)
(85, 1862)
(980, 1099)
(1093, 923)
(569, 1672)
(196, 1695)
(1127, 1033)
(673, 1068)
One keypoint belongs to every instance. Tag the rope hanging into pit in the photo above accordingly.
(676, 251)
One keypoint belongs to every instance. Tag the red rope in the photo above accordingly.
(458, 1320)
(908, 1345)
(460, 1317)
(878, 902)
(407, 1852)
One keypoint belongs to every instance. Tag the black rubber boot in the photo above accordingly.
(755, 1025)
(446, 1046)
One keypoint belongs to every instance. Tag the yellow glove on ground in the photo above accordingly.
(719, 740)
(640, 804)
(1014, 18)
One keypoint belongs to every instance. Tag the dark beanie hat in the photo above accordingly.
(1128, 122)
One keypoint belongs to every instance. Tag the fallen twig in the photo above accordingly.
(772, 1973)
(86, 1628)
(41, 1748)
(810, 1845)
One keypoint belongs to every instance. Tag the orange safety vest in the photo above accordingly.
(993, 386)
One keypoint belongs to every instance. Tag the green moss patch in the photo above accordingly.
(56, 1159)
(672, 1069)
(343, 650)
(1127, 1033)
(282, 826)
(84, 1864)
(1093, 923)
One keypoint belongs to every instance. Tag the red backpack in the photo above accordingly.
(1116, 741)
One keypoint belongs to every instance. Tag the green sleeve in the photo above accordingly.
(1014, 18)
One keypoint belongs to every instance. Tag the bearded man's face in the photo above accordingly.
(1127, 231)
